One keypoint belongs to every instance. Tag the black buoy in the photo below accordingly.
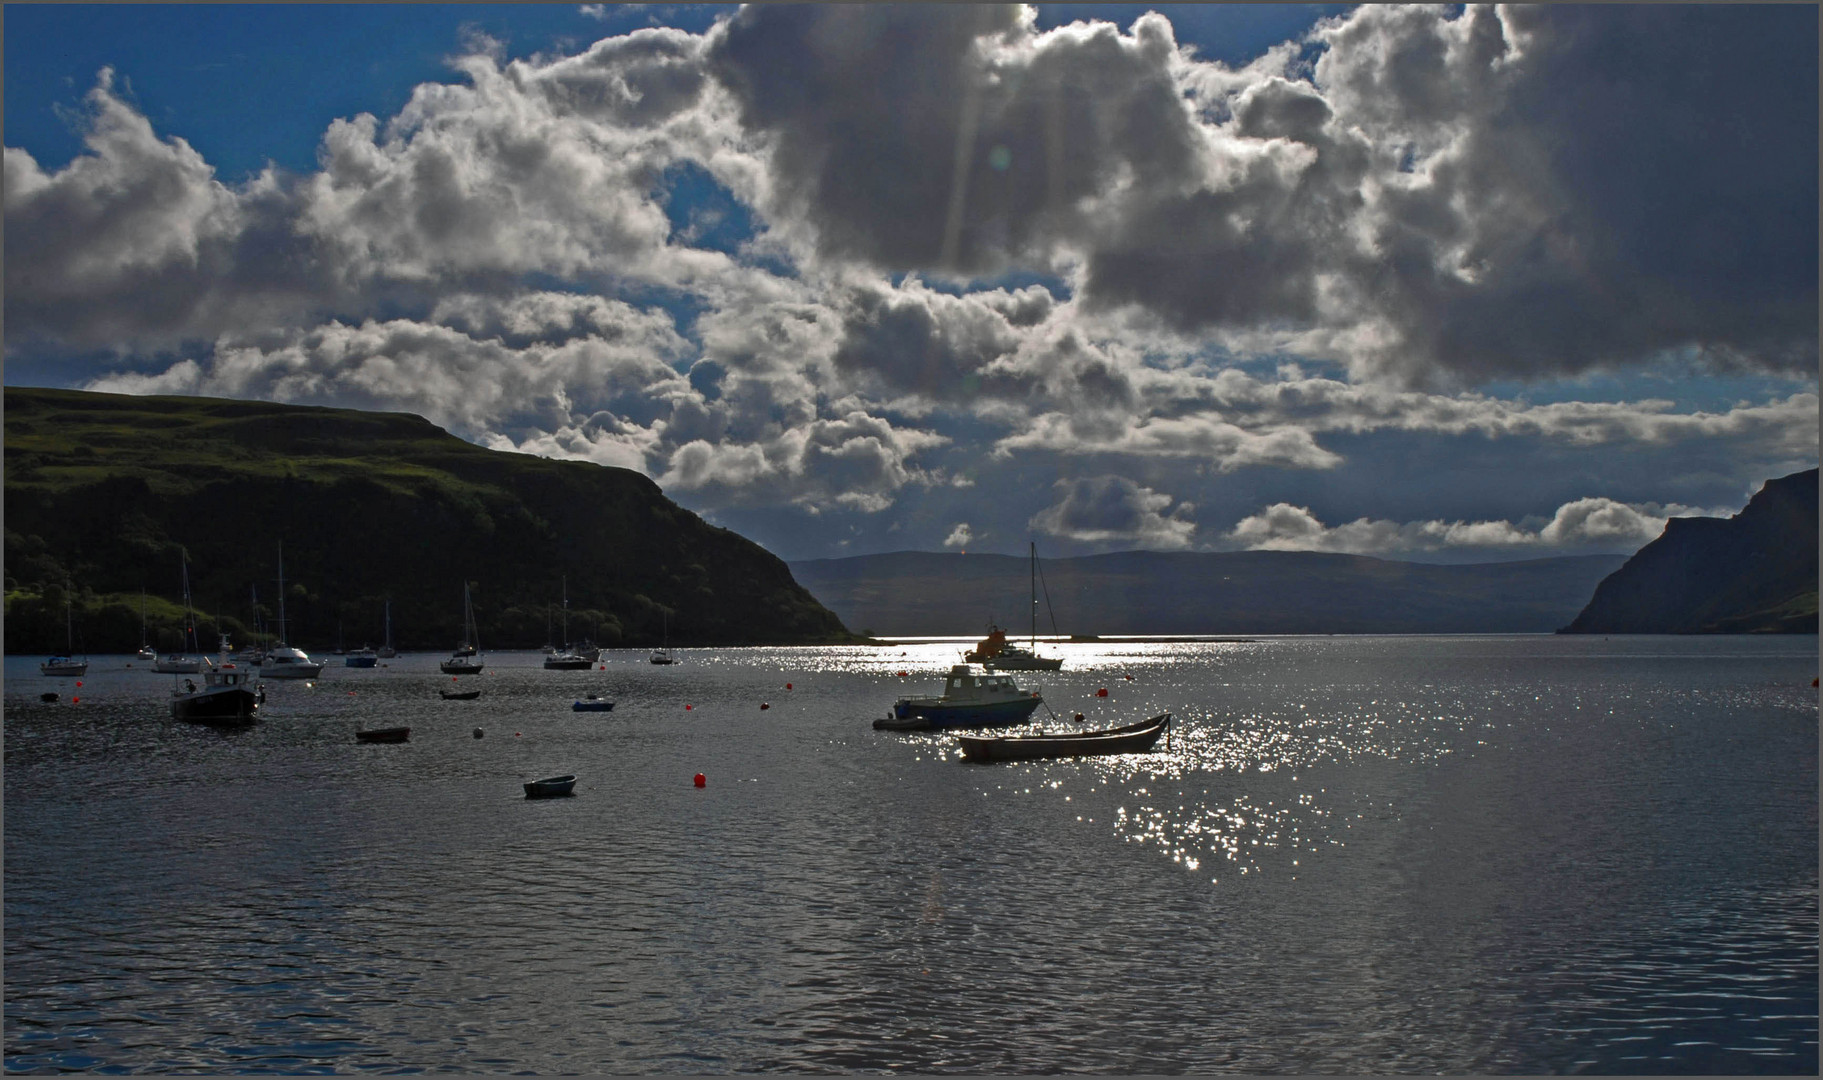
(477, 733)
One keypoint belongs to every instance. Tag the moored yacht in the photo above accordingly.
(287, 661)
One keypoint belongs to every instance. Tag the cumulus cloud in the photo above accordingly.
(1589, 523)
(1104, 509)
(959, 537)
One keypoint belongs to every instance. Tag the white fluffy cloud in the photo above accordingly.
(1579, 525)
(1420, 200)
(959, 537)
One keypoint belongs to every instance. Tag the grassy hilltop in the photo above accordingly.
(104, 489)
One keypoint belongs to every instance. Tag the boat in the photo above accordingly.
(68, 663)
(662, 655)
(361, 657)
(186, 661)
(230, 696)
(459, 695)
(287, 661)
(385, 734)
(565, 658)
(997, 654)
(386, 651)
(466, 659)
(146, 651)
(970, 698)
(592, 704)
(550, 787)
(1132, 739)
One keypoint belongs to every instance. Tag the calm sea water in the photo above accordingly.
(1457, 854)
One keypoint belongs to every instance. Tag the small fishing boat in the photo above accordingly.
(1132, 739)
(459, 695)
(592, 704)
(550, 787)
(386, 735)
(229, 697)
(361, 657)
(970, 698)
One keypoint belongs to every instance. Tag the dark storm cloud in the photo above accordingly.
(1099, 509)
(1444, 197)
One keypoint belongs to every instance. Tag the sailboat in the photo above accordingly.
(466, 660)
(997, 654)
(67, 664)
(287, 661)
(184, 661)
(386, 651)
(146, 651)
(663, 654)
(566, 658)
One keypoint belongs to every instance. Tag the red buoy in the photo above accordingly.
(764, 706)
(901, 674)
(1079, 718)
(1129, 678)
(687, 708)
(1103, 692)
(78, 684)
(700, 780)
(75, 701)
(787, 686)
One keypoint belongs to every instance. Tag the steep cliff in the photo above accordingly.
(1755, 572)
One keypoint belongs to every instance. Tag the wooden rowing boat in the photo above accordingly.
(389, 734)
(1132, 739)
(549, 787)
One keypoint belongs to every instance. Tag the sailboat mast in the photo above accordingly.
(1034, 546)
(281, 592)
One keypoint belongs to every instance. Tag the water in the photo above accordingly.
(1458, 854)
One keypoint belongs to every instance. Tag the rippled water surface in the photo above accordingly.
(1467, 854)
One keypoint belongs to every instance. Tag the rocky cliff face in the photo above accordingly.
(1755, 572)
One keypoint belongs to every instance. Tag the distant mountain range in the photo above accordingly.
(103, 490)
(1755, 572)
(1250, 592)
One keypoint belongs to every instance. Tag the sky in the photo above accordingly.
(1447, 284)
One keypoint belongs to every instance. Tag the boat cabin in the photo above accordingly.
(965, 682)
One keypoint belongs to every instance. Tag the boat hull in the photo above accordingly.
(550, 787)
(592, 706)
(459, 667)
(226, 706)
(1133, 739)
(361, 661)
(1022, 663)
(178, 665)
(461, 695)
(62, 667)
(567, 663)
(384, 735)
(975, 714)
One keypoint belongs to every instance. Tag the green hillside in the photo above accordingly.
(103, 490)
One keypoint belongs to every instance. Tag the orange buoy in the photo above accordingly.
(1103, 692)
(701, 780)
